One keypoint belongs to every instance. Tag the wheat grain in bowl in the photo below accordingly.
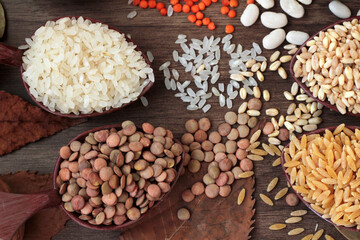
(329, 66)
(74, 65)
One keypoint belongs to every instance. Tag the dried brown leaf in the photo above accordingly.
(22, 123)
(219, 218)
(47, 223)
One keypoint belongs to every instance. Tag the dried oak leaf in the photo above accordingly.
(22, 123)
(47, 223)
(219, 218)
(19, 234)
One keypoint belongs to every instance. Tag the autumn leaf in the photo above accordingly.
(219, 218)
(22, 123)
(47, 223)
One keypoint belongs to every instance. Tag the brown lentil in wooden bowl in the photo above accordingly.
(112, 177)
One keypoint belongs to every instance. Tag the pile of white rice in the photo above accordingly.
(76, 66)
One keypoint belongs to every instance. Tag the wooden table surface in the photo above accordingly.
(157, 34)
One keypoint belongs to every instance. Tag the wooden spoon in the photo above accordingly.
(13, 56)
(17, 208)
(349, 232)
(301, 84)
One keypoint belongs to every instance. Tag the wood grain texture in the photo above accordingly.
(157, 34)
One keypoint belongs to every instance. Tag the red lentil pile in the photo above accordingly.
(194, 9)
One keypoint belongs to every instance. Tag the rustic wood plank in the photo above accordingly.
(156, 33)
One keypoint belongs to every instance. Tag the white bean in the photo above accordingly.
(297, 37)
(250, 15)
(273, 19)
(274, 39)
(292, 8)
(339, 9)
(306, 2)
(267, 4)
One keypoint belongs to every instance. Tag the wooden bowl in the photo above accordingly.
(17, 208)
(13, 56)
(127, 224)
(302, 85)
(307, 204)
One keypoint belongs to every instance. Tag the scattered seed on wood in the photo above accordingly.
(318, 234)
(296, 231)
(328, 237)
(281, 193)
(246, 174)
(308, 237)
(241, 196)
(272, 184)
(274, 56)
(298, 213)
(293, 220)
(255, 157)
(276, 163)
(255, 136)
(266, 199)
(274, 66)
(277, 226)
(268, 149)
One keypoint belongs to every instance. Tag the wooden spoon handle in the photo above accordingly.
(10, 55)
(17, 208)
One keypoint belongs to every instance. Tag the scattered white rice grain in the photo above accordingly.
(206, 108)
(249, 90)
(132, 14)
(235, 84)
(144, 101)
(167, 73)
(176, 56)
(201, 103)
(181, 36)
(189, 67)
(215, 91)
(186, 84)
(229, 103)
(190, 92)
(257, 48)
(227, 38)
(252, 82)
(173, 84)
(164, 66)
(150, 56)
(180, 87)
(183, 61)
(151, 77)
(221, 87)
(180, 40)
(175, 74)
(170, 11)
(222, 100)
(229, 89)
(233, 95)
(167, 83)
(185, 48)
(186, 98)
(192, 107)
(181, 94)
(207, 96)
